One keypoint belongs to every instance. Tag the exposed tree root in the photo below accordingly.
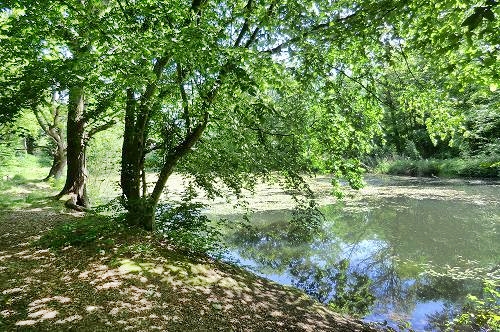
(72, 203)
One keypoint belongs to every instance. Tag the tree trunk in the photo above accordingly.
(29, 143)
(54, 130)
(140, 211)
(76, 174)
(58, 161)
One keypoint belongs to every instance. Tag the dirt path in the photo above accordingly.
(137, 283)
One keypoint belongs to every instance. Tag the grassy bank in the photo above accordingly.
(450, 168)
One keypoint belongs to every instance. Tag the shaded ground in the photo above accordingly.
(134, 282)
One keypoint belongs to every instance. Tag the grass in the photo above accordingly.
(484, 167)
(21, 182)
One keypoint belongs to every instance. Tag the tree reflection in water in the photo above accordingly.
(389, 242)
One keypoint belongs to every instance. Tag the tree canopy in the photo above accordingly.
(228, 91)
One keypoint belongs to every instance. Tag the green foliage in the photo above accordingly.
(482, 120)
(463, 44)
(481, 313)
(480, 309)
(104, 152)
(478, 167)
(20, 180)
(21, 164)
(352, 294)
(185, 226)
(305, 223)
(90, 230)
(485, 167)
(414, 168)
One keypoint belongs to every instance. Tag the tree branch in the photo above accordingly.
(355, 80)
(408, 67)
(245, 26)
(185, 104)
(100, 128)
(41, 121)
(172, 159)
(319, 27)
(312, 30)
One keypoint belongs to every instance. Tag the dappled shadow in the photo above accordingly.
(115, 287)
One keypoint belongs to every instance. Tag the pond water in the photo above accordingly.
(394, 232)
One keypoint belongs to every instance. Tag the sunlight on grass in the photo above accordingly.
(127, 266)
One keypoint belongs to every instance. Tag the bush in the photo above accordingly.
(484, 167)
(185, 226)
(414, 168)
(480, 167)
(480, 313)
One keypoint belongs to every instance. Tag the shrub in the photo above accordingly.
(479, 167)
(480, 313)
(185, 226)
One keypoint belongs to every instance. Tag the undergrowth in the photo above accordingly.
(484, 167)
(185, 226)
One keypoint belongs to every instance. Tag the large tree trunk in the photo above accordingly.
(140, 211)
(76, 175)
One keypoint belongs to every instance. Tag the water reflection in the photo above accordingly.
(390, 240)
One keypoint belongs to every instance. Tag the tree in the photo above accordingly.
(421, 116)
(49, 118)
(432, 61)
(53, 46)
(466, 43)
(233, 78)
(254, 87)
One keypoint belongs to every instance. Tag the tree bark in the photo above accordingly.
(76, 174)
(29, 143)
(132, 165)
(58, 161)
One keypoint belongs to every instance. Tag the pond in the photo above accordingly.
(424, 244)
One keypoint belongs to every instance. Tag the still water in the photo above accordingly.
(423, 243)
